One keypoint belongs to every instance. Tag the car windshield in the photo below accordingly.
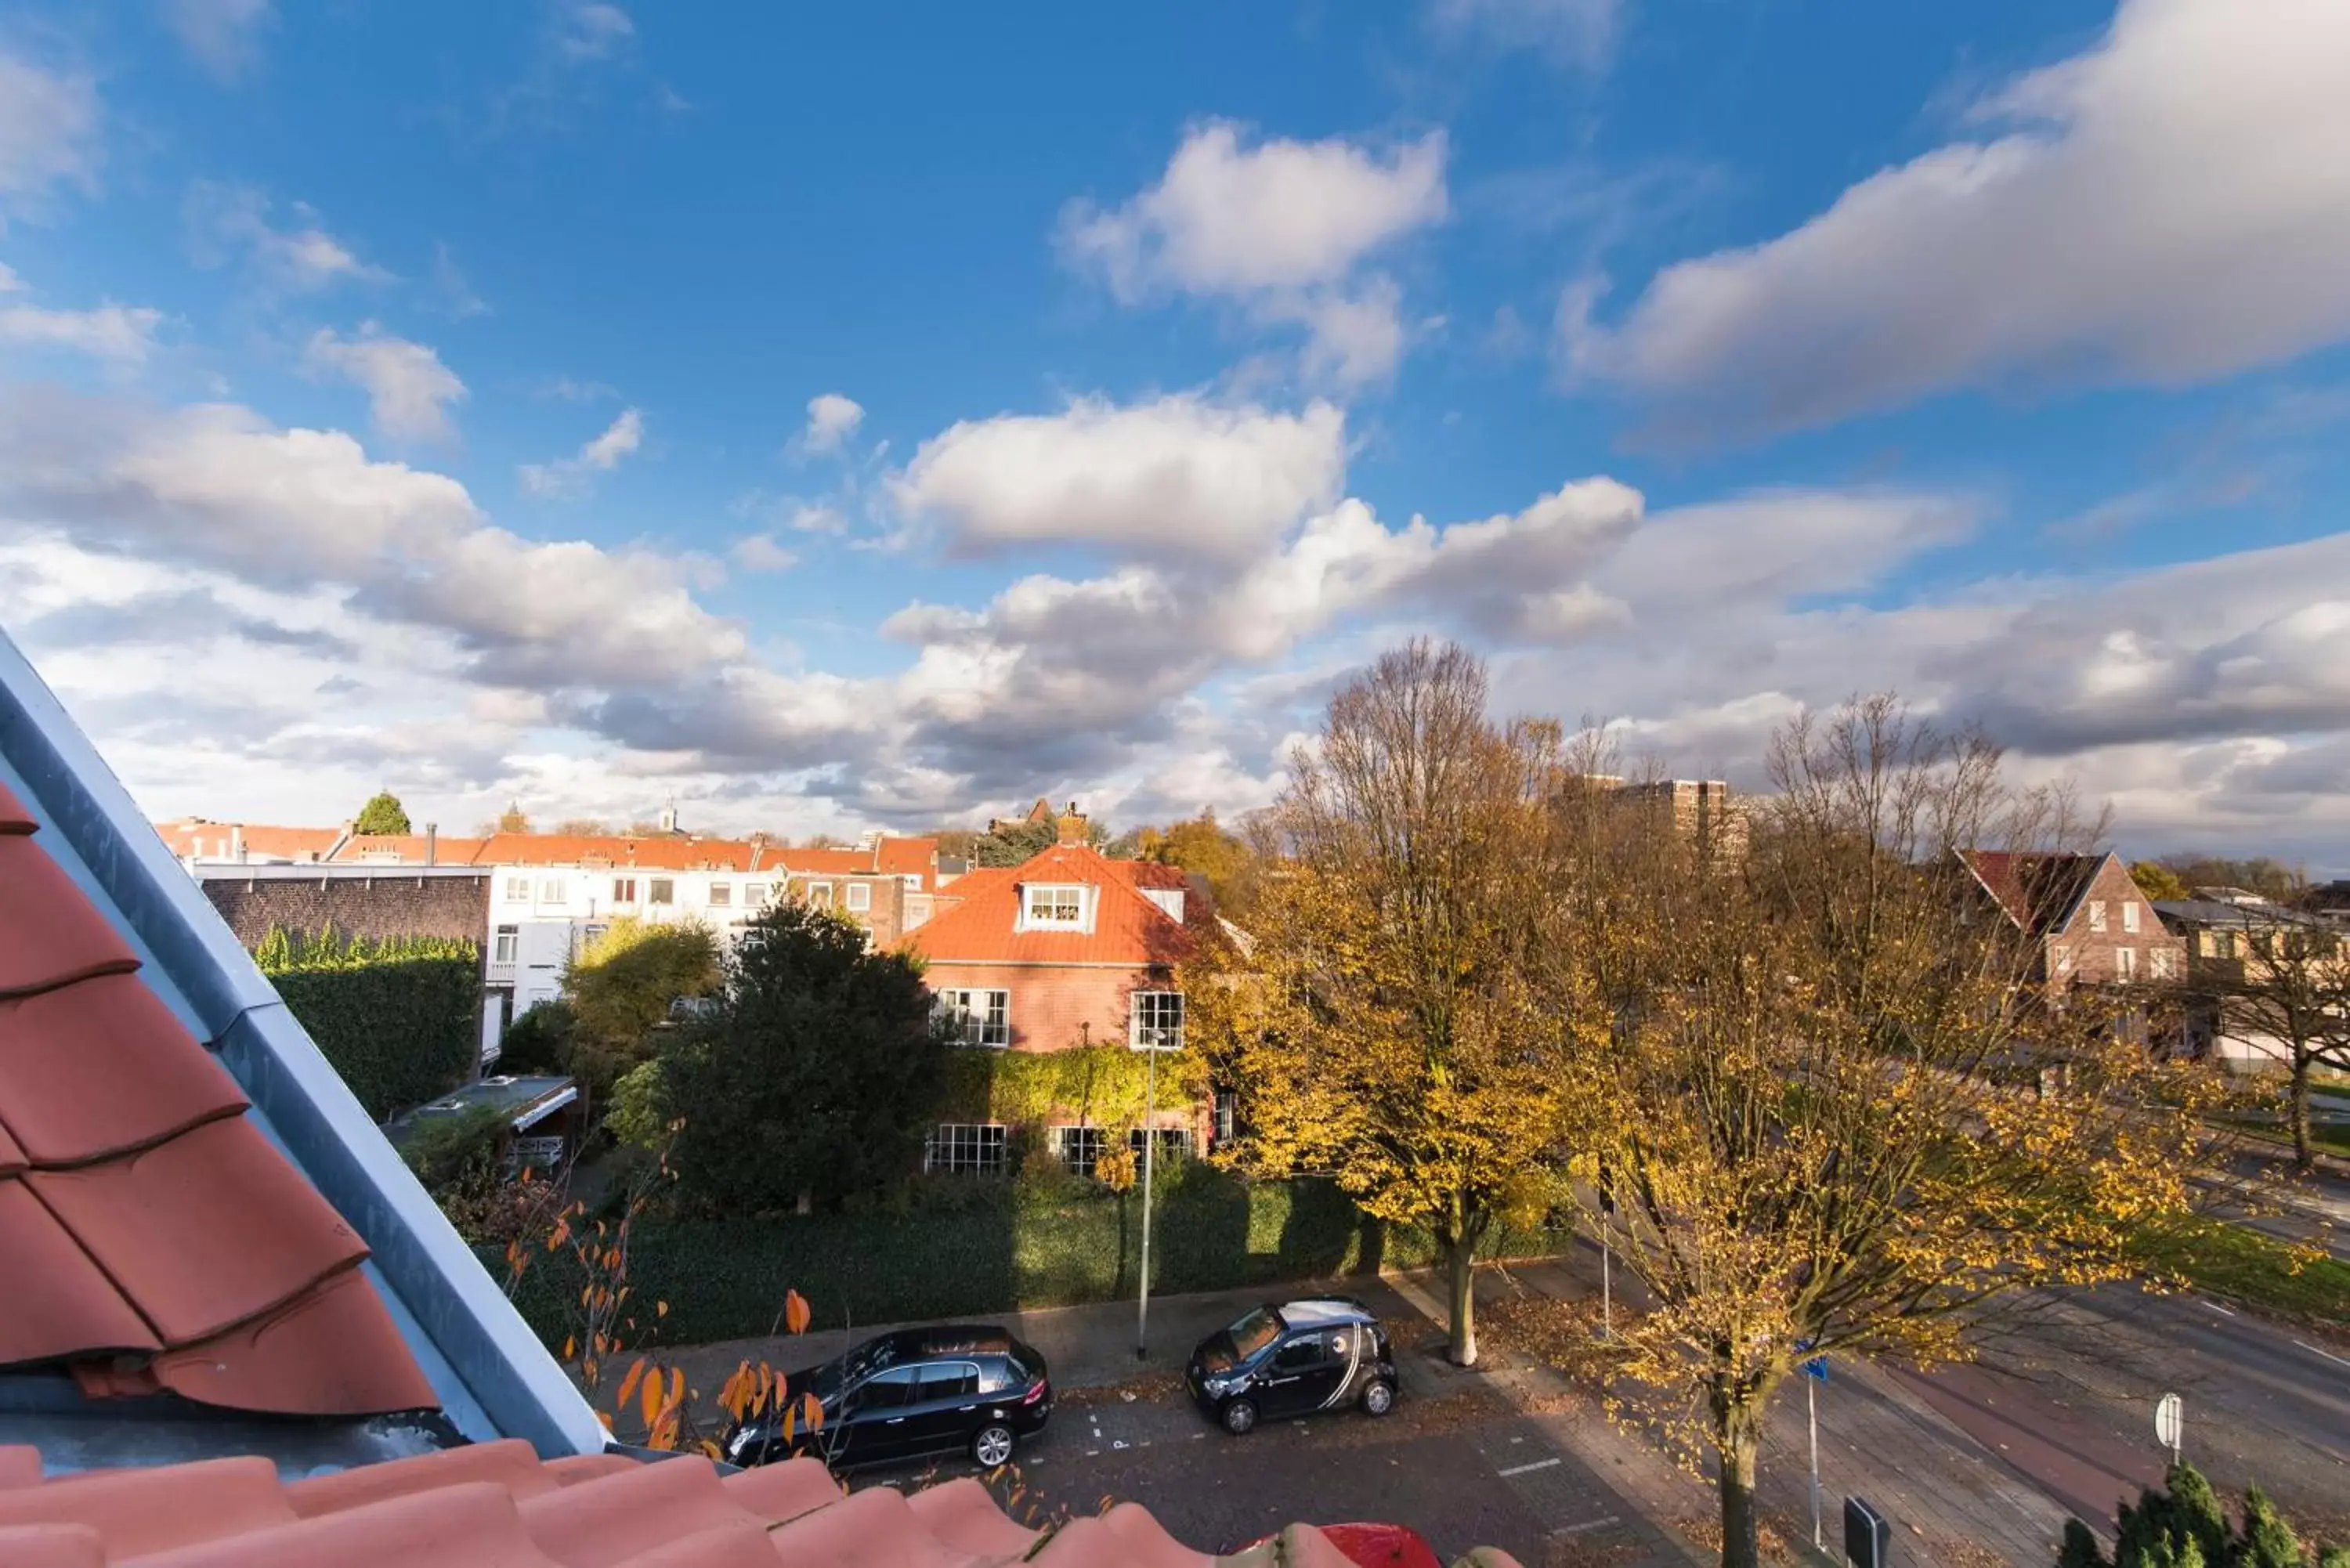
(1242, 1340)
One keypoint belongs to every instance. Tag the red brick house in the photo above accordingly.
(1067, 950)
(2089, 922)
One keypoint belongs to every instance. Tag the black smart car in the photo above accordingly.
(917, 1391)
(1294, 1359)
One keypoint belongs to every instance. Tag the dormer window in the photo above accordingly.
(1048, 907)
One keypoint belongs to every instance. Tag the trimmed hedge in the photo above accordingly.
(401, 1021)
(1000, 1251)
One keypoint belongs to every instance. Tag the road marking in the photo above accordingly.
(2327, 1354)
(1537, 1465)
(2215, 1306)
(1593, 1524)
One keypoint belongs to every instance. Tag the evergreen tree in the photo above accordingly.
(2268, 1540)
(381, 814)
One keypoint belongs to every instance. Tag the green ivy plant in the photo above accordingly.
(1096, 1085)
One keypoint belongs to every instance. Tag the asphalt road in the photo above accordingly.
(1463, 1470)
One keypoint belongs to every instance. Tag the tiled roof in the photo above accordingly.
(410, 849)
(2038, 891)
(153, 1236)
(827, 862)
(983, 927)
(194, 836)
(497, 1505)
(909, 857)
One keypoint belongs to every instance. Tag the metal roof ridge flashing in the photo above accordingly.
(336, 1145)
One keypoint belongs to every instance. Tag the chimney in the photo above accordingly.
(432, 844)
(236, 844)
(1072, 825)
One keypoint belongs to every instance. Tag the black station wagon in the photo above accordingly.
(1295, 1359)
(917, 1391)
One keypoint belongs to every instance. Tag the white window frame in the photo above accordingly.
(977, 1012)
(2129, 916)
(1178, 1142)
(660, 889)
(552, 890)
(755, 895)
(518, 889)
(819, 895)
(721, 895)
(624, 889)
(2125, 964)
(1077, 1147)
(1056, 897)
(1225, 1115)
(2097, 914)
(2060, 959)
(505, 944)
(858, 897)
(966, 1148)
(2159, 962)
(1145, 1021)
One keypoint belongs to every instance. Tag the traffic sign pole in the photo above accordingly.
(2169, 1424)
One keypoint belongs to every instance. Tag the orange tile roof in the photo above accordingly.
(154, 1237)
(983, 927)
(910, 856)
(195, 837)
(410, 849)
(653, 854)
(827, 862)
(496, 1505)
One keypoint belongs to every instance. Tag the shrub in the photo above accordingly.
(2186, 1526)
(621, 986)
(539, 1041)
(400, 1019)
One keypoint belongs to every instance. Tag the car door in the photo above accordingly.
(876, 1425)
(945, 1411)
(1297, 1369)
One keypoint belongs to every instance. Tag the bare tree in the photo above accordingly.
(2287, 981)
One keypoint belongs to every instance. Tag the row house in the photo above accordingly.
(2088, 923)
(1069, 949)
(2236, 939)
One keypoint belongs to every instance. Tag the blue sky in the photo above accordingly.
(882, 416)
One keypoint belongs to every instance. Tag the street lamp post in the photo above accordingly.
(1149, 1148)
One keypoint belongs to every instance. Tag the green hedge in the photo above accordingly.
(725, 1279)
(401, 1021)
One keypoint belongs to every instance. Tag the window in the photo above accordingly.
(660, 890)
(1157, 1021)
(1047, 906)
(1174, 1143)
(887, 1390)
(624, 889)
(1299, 1355)
(503, 950)
(2097, 914)
(721, 895)
(2129, 916)
(964, 1148)
(2161, 962)
(551, 890)
(2125, 964)
(912, 880)
(1078, 1147)
(754, 894)
(820, 894)
(2060, 959)
(947, 1380)
(518, 889)
(1225, 1120)
(977, 1017)
(860, 895)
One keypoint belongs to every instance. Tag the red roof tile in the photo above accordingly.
(496, 1506)
(407, 849)
(143, 1213)
(983, 927)
(262, 842)
(2037, 891)
(911, 858)
(826, 862)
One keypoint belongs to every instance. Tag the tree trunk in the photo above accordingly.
(1736, 1438)
(1460, 1260)
(2299, 1111)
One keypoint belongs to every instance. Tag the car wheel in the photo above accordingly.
(1240, 1417)
(992, 1446)
(1380, 1398)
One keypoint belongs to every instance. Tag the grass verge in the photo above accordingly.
(2242, 1265)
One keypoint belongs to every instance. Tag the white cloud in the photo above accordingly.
(408, 389)
(123, 333)
(1281, 227)
(761, 553)
(570, 476)
(2162, 209)
(458, 300)
(832, 420)
(230, 220)
(48, 132)
(592, 30)
(221, 35)
(1571, 32)
(1179, 475)
(9, 282)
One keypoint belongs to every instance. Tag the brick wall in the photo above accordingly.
(2095, 954)
(373, 906)
(1057, 1007)
(886, 914)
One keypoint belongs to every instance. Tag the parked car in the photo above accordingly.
(1294, 1359)
(917, 1391)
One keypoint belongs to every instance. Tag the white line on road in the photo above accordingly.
(1593, 1524)
(2215, 1306)
(1537, 1465)
(2327, 1354)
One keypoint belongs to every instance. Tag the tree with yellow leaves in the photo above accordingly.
(1839, 1118)
(1399, 1015)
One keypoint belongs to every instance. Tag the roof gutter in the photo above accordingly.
(434, 1275)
